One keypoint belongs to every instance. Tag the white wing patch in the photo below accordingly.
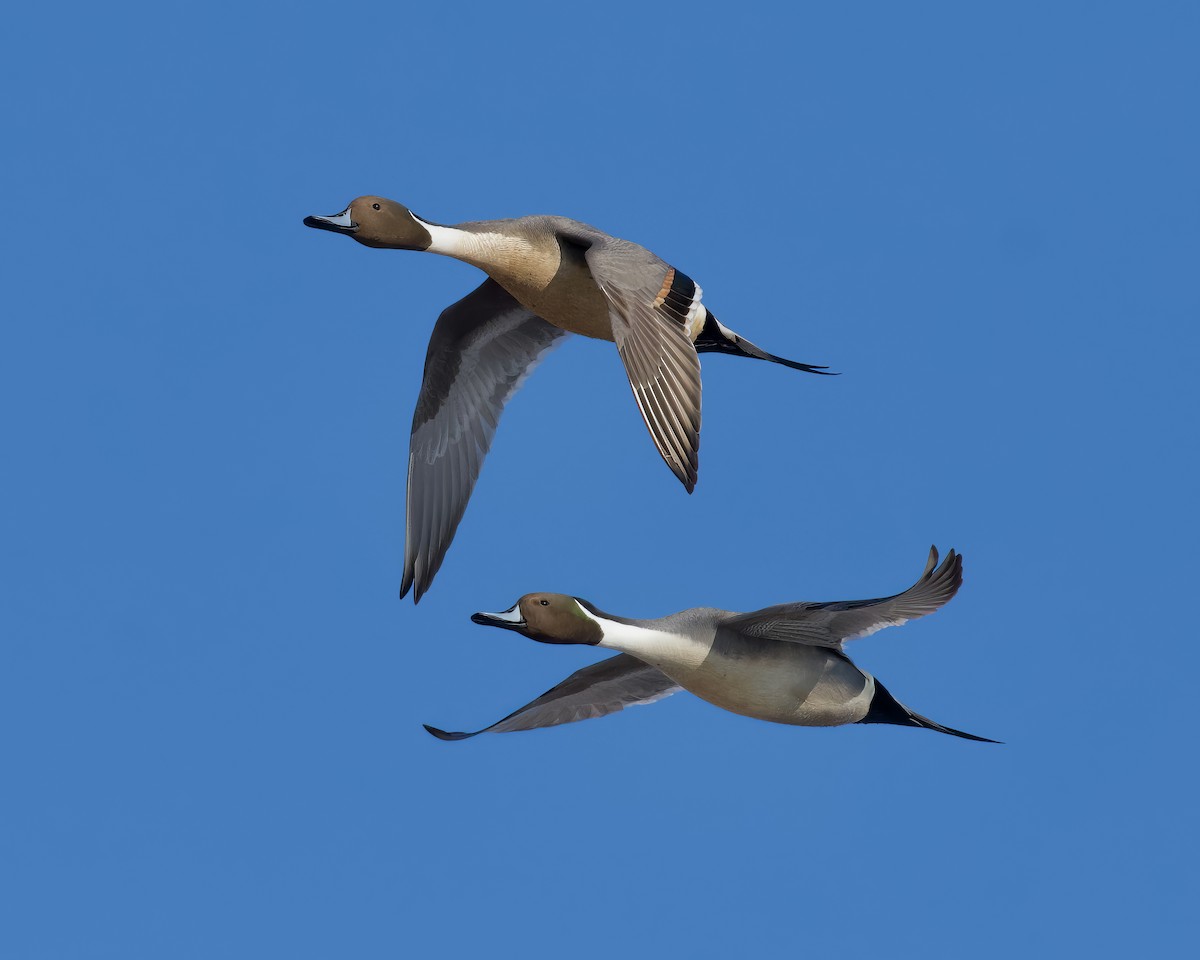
(876, 627)
(697, 314)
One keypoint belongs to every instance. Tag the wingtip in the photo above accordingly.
(687, 475)
(443, 734)
(952, 563)
(409, 583)
(948, 576)
(930, 562)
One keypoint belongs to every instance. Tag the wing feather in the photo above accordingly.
(829, 624)
(595, 691)
(650, 330)
(481, 350)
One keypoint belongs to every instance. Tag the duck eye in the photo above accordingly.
(544, 603)
(374, 206)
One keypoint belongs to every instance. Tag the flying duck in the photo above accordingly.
(783, 663)
(547, 277)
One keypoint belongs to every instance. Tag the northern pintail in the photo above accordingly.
(783, 663)
(547, 277)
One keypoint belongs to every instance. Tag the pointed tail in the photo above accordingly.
(887, 709)
(928, 724)
(715, 337)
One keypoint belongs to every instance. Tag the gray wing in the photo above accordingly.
(595, 691)
(650, 302)
(828, 624)
(481, 350)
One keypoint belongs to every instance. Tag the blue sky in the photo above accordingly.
(210, 695)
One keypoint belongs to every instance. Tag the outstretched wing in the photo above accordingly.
(596, 691)
(481, 350)
(829, 624)
(651, 306)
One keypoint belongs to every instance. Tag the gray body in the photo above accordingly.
(782, 682)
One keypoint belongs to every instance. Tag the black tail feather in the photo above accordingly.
(887, 709)
(716, 338)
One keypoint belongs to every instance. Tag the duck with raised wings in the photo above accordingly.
(547, 277)
(784, 663)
